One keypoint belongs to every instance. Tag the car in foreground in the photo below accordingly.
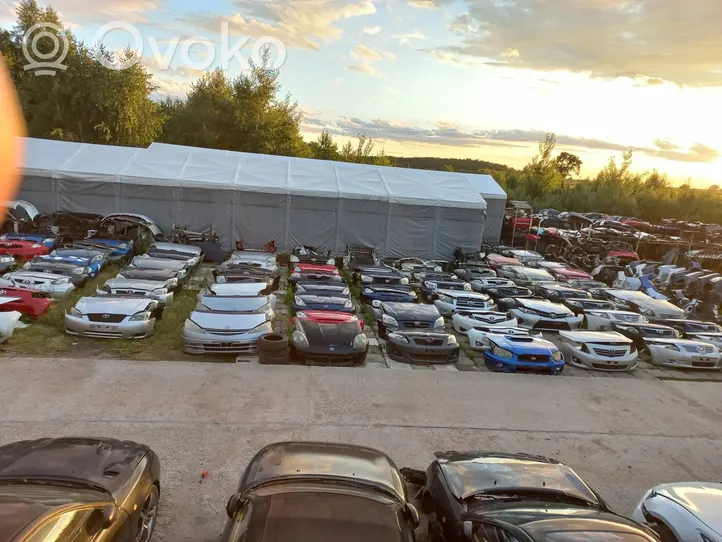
(78, 489)
(464, 320)
(695, 330)
(215, 332)
(393, 317)
(322, 302)
(683, 354)
(113, 317)
(23, 250)
(57, 286)
(422, 347)
(603, 320)
(540, 314)
(512, 353)
(450, 301)
(26, 302)
(328, 338)
(499, 497)
(640, 331)
(392, 294)
(324, 492)
(598, 351)
(137, 288)
(237, 304)
(683, 511)
(78, 275)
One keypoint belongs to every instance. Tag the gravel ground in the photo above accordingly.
(622, 435)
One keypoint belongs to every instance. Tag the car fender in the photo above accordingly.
(8, 322)
(676, 517)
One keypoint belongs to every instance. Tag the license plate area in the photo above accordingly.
(98, 327)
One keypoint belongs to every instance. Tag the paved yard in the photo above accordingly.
(622, 434)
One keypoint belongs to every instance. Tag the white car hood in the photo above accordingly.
(127, 306)
(132, 284)
(621, 316)
(544, 306)
(596, 337)
(239, 289)
(8, 321)
(227, 321)
(702, 499)
(466, 294)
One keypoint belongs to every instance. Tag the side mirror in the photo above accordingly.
(376, 304)
(233, 505)
(110, 515)
(413, 515)
(467, 528)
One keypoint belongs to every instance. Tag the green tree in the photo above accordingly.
(359, 153)
(568, 163)
(449, 168)
(325, 148)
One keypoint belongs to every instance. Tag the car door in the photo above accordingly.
(237, 528)
(78, 525)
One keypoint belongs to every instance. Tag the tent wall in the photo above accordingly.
(494, 218)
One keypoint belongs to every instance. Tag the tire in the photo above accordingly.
(273, 343)
(664, 532)
(148, 515)
(274, 358)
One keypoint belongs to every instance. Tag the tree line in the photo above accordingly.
(87, 102)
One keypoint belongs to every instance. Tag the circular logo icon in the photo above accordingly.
(106, 316)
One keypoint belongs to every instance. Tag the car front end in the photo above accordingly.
(24, 250)
(7, 264)
(112, 318)
(599, 351)
(78, 275)
(418, 347)
(602, 320)
(57, 286)
(303, 301)
(638, 332)
(119, 250)
(450, 301)
(44, 240)
(213, 332)
(683, 354)
(391, 294)
(137, 288)
(512, 353)
(466, 320)
(393, 317)
(544, 315)
(321, 341)
(479, 335)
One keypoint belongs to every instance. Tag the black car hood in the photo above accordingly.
(389, 288)
(331, 335)
(412, 311)
(147, 274)
(107, 463)
(647, 331)
(329, 299)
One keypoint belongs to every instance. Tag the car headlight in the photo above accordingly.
(48, 241)
(467, 287)
(439, 323)
(182, 273)
(160, 291)
(525, 310)
(7, 259)
(173, 282)
(438, 269)
(123, 246)
(302, 315)
(27, 265)
(399, 338)
(97, 258)
(575, 304)
(360, 342)
(79, 271)
(299, 340)
(668, 346)
(366, 279)
(140, 316)
(300, 302)
(75, 312)
(451, 339)
(557, 356)
(646, 312)
(331, 261)
(405, 281)
(36, 245)
(294, 259)
(346, 291)
(190, 325)
(366, 291)
(446, 299)
(60, 281)
(221, 279)
(265, 326)
(348, 304)
(296, 275)
(629, 329)
(501, 352)
(389, 321)
(412, 294)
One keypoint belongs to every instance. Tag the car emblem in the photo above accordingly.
(387, 281)
(3, 292)
(331, 349)
(106, 316)
(27, 281)
(533, 358)
(552, 316)
(417, 324)
(48, 271)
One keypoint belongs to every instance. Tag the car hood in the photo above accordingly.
(107, 463)
(233, 304)
(314, 287)
(59, 266)
(543, 306)
(134, 284)
(174, 247)
(702, 499)
(464, 293)
(312, 299)
(148, 274)
(595, 337)
(412, 311)
(238, 289)
(332, 335)
(35, 275)
(676, 342)
(127, 306)
(64, 259)
(647, 331)
(157, 263)
(524, 345)
(388, 289)
(227, 321)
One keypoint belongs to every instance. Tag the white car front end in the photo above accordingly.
(684, 354)
(598, 320)
(450, 301)
(478, 285)
(464, 321)
(479, 337)
(598, 351)
(56, 286)
(544, 315)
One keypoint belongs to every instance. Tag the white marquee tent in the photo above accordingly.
(257, 198)
(495, 199)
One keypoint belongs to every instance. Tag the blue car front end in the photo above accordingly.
(41, 239)
(388, 294)
(512, 353)
(94, 266)
(118, 249)
(96, 259)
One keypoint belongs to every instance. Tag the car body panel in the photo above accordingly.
(387, 293)
(62, 269)
(424, 348)
(313, 287)
(449, 301)
(330, 341)
(240, 304)
(224, 333)
(528, 353)
(640, 331)
(684, 353)
(168, 277)
(333, 302)
(66, 258)
(598, 351)
(479, 337)
(601, 320)
(137, 288)
(546, 315)
(109, 317)
(463, 321)
(658, 307)
(47, 240)
(25, 250)
(8, 321)
(237, 289)
(567, 274)
(55, 285)
(22, 301)
(409, 316)
(479, 285)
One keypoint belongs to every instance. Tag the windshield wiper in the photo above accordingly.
(534, 493)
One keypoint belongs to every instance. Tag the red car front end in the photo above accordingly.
(26, 302)
(327, 317)
(24, 250)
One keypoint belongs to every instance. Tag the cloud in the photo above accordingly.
(429, 4)
(132, 11)
(407, 39)
(370, 54)
(657, 40)
(461, 24)
(697, 153)
(665, 145)
(371, 30)
(300, 24)
(366, 68)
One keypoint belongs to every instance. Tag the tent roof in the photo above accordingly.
(175, 165)
(486, 186)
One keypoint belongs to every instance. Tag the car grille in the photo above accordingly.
(704, 364)
(131, 292)
(547, 324)
(104, 334)
(227, 331)
(441, 356)
(316, 276)
(106, 317)
(347, 359)
(428, 342)
(415, 325)
(694, 349)
(471, 303)
(530, 358)
(378, 280)
(609, 367)
(223, 348)
(552, 315)
(609, 353)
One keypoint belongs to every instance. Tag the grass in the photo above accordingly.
(47, 337)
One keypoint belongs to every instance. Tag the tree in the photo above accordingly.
(325, 148)
(449, 168)
(568, 163)
(359, 153)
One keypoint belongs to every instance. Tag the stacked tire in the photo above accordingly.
(273, 350)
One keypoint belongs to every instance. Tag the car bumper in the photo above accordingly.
(207, 343)
(123, 330)
(585, 360)
(534, 321)
(684, 360)
(318, 356)
(59, 291)
(384, 329)
(504, 365)
(422, 355)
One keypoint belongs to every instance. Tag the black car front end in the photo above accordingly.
(393, 317)
(638, 332)
(318, 302)
(391, 294)
(418, 347)
(329, 344)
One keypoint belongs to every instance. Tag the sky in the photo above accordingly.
(481, 79)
